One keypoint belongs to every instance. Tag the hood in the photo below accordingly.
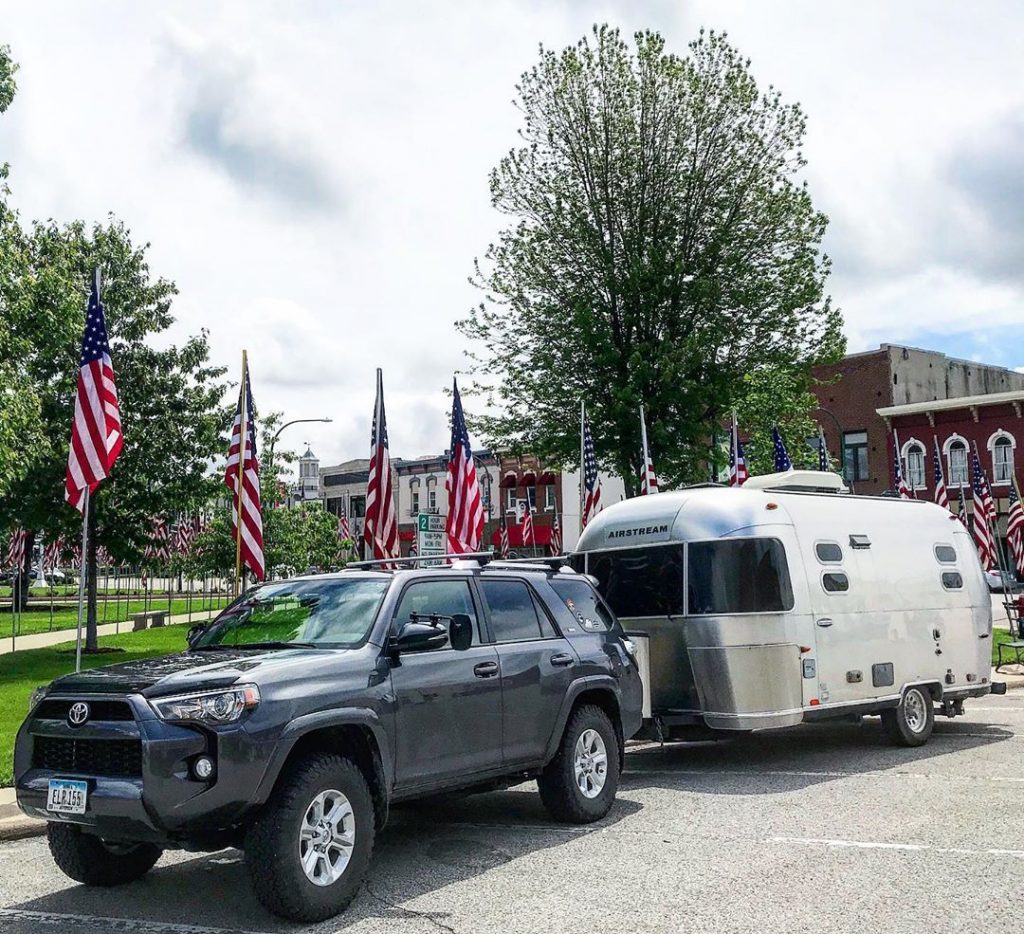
(188, 671)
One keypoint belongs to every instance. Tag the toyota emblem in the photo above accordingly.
(78, 713)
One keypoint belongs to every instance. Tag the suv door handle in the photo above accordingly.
(561, 660)
(486, 669)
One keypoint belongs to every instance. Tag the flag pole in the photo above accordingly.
(243, 425)
(81, 580)
(583, 457)
(645, 455)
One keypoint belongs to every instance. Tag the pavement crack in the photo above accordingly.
(409, 912)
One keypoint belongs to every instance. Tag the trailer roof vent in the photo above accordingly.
(860, 541)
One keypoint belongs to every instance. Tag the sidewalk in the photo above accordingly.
(40, 640)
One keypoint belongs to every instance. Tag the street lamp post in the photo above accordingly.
(277, 434)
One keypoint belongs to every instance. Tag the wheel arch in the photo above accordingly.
(599, 691)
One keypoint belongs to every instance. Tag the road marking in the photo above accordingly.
(905, 847)
(125, 925)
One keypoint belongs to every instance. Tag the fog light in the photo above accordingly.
(202, 768)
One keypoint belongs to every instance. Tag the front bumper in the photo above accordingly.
(160, 801)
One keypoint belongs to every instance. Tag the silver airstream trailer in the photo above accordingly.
(788, 600)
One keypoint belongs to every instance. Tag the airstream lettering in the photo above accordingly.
(760, 607)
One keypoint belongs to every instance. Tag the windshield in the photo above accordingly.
(329, 612)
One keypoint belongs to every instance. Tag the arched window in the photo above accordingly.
(1002, 445)
(913, 458)
(955, 450)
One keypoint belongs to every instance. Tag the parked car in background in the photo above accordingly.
(996, 584)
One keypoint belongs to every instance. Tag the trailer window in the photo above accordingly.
(952, 580)
(640, 581)
(835, 582)
(945, 554)
(748, 575)
(828, 552)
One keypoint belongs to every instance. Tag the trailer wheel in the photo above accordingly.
(910, 723)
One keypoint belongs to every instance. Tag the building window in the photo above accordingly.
(913, 458)
(550, 503)
(855, 449)
(511, 500)
(432, 500)
(1001, 445)
(415, 502)
(358, 506)
(956, 453)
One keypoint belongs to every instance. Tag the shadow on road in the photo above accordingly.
(424, 848)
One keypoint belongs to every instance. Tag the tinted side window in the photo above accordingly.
(945, 554)
(739, 576)
(828, 552)
(835, 582)
(547, 628)
(446, 598)
(640, 581)
(952, 580)
(587, 609)
(513, 614)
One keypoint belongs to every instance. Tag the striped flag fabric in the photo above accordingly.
(738, 472)
(556, 536)
(591, 478)
(823, 460)
(1015, 528)
(52, 553)
(648, 479)
(16, 549)
(503, 537)
(986, 491)
(901, 483)
(183, 536)
(941, 493)
(96, 437)
(157, 549)
(982, 532)
(344, 529)
(528, 523)
(380, 526)
(779, 453)
(245, 497)
(464, 525)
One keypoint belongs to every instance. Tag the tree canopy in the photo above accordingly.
(661, 249)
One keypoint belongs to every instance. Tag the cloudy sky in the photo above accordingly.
(314, 175)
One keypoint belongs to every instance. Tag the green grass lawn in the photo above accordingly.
(20, 672)
(1000, 636)
(37, 618)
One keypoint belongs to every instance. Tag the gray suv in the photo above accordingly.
(301, 713)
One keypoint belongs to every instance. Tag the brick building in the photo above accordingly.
(852, 391)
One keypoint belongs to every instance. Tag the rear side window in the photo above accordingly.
(952, 580)
(835, 582)
(640, 581)
(513, 612)
(945, 554)
(828, 552)
(584, 604)
(739, 576)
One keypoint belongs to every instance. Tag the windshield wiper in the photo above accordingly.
(275, 645)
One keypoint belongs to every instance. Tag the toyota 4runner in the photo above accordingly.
(306, 708)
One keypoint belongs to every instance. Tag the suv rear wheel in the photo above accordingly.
(579, 784)
(308, 850)
(86, 858)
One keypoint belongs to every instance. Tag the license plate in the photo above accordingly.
(66, 796)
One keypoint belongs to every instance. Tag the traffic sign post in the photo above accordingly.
(430, 537)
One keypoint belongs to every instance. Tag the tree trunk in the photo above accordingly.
(91, 645)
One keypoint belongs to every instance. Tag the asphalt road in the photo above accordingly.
(819, 828)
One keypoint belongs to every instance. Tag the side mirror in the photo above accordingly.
(461, 632)
(420, 637)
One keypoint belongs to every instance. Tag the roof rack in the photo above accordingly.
(552, 563)
(481, 557)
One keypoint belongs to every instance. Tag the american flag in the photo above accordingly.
(901, 483)
(464, 527)
(413, 550)
(779, 452)
(52, 552)
(157, 548)
(738, 472)
(528, 522)
(16, 549)
(380, 527)
(251, 537)
(591, 478)
(503, 525)
(1015, 528)
(96, 437)
(183, 535)
(941, 494)
(982, 532)
(344, 529)
(823, 462)
(648, 478)
(987, 501)
(556, 536)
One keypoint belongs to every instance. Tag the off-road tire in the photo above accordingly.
(913, 727)
(272, 849)
(85, 858)
(559, 791)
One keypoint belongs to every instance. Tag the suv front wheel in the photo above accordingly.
(92, 861)
(579, 784)
(308, 851)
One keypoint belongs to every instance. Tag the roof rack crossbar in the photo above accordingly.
(481, 556)
(550, 562)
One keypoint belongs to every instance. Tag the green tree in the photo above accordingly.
(661, 250)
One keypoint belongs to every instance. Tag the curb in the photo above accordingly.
(19, 827)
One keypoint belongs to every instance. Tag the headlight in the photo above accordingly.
(37, 695)
(222, 706)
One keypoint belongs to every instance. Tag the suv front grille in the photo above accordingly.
(113, 757)
(98, 710)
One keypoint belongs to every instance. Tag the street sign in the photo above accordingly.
(430, 537)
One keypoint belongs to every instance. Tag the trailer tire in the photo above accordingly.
(910, 723)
